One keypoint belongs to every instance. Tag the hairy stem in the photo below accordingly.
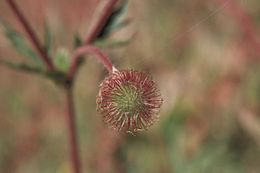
(31, 34)
(74, 151)
(98, 24)
(89, 49)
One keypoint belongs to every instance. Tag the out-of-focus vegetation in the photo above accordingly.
(199, 52)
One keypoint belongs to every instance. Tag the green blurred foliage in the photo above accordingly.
(19, 43)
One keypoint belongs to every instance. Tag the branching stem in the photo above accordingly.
(94, 31)
(89, 49)
(31, 34)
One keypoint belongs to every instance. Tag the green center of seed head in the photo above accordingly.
(128, 100)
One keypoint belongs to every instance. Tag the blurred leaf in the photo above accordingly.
(119, 25)
(174, 123)
(21, 66)
(212, 157)
(77, 41)
(47, 38)
(113, 43)
(251, 87)
(61, 59)
(113, 21)
(19, 43)
(59, 78)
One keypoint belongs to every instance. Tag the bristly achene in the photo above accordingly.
(129, 100)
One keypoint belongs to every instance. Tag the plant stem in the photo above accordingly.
(91, 49)
(98, 24)
(94, 31)
(31, 34)
(74, 151)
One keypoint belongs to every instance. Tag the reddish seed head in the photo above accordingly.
(129, 100)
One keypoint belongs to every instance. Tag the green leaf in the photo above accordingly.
(77, 41)
(61, 59)
(19, 43)
(113, 22)
(22, 66)
(113, 43)
(119, 25)
(57, 77)
(47, 38)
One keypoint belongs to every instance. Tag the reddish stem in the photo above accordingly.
(94, 31)
(99, 23)
(31, 34)
(74, 151)
(91, 49)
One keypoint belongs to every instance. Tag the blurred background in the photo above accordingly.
(204, 56)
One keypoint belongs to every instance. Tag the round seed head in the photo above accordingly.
(129, 100)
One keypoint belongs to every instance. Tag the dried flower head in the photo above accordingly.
(129, 100)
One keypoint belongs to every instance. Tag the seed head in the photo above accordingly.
(129, 100)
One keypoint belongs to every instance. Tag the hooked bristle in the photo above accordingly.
(129, 100)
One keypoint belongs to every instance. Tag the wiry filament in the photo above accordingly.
(129, 100)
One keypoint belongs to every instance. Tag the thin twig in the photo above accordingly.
(74, 151)
(99, 23)
(31, 34)
(89, 49)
